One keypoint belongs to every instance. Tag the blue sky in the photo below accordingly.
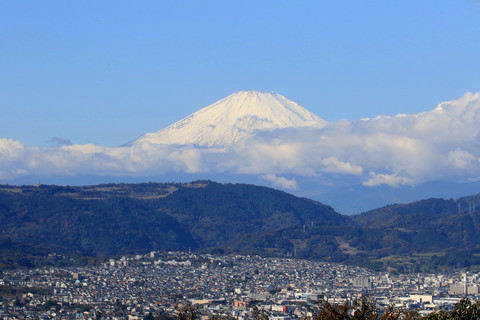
(105, 72)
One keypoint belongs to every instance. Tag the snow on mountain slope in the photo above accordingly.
(233, 118)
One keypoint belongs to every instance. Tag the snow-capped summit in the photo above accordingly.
(233, 118)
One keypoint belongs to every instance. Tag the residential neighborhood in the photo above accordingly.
(162, 284)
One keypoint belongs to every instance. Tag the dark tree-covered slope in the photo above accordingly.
(438, 223)
(440, 232)
(126, 218)
(112, 219)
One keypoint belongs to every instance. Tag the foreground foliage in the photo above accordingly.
(464, 310)
(362, 310)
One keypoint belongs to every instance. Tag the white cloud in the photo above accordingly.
(11, 155)
(392, 180)
(332, 164)
(9, 148)
(188, 160)
(441, 144)
(461, 159)
(281, 182)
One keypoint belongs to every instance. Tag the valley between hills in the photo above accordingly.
(75, 225)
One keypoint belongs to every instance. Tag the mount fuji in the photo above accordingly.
(265, 138)
(233, 118)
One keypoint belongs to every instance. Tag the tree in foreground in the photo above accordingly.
(187, 312)
(363, 309)
(464, 310)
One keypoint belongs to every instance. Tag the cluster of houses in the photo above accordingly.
(162, 284)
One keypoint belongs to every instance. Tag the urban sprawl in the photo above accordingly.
(160, 284)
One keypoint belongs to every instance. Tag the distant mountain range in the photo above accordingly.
(362, 198)
(39, 222)
(264, 138)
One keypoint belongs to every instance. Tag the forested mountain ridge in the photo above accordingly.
(443, 223)
(112, 219)
(434, 232)
(126, 218)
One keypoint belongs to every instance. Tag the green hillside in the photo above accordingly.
(63, 225)
(115, 219)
